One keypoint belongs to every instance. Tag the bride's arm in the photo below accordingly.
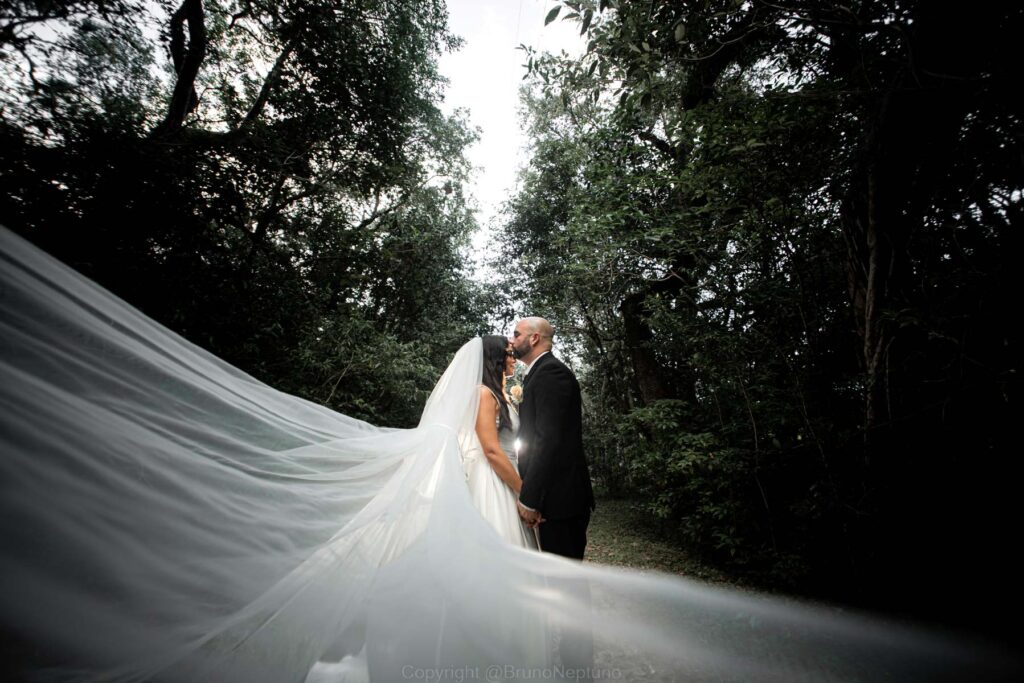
(487, 432)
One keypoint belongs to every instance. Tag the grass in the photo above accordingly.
(622, 535)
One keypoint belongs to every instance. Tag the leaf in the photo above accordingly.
(552, 15)
(587, 18)
(680, 32)
(593, 68)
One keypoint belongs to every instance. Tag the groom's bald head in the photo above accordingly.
(532, 337)
(542, 327)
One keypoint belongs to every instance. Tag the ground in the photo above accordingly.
(621, 534)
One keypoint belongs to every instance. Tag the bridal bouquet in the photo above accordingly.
(514, 384)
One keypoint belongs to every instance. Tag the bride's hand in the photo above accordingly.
(531, 517)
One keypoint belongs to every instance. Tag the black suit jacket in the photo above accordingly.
(556, 479)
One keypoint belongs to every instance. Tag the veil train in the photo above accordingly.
(167, 517)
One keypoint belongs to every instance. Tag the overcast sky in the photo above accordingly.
(485, 77)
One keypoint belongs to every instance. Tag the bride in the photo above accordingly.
(491, 461)
(165, 516)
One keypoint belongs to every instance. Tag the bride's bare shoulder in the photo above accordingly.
(487, 397)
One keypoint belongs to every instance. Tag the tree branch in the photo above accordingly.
(186, 63)
(677, 154)
(268, 85)
(380, 213)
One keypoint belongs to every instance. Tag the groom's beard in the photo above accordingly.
(519, 352)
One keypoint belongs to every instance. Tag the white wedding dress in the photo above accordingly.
(164, 516)
(491, 496)
(496, 503)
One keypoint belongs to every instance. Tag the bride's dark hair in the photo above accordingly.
(494, 372)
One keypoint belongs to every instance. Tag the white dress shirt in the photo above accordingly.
(533, 362)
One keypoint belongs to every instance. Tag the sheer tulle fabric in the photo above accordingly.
(167, 517)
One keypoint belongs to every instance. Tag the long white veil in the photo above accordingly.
(164, 516)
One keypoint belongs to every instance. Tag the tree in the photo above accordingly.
(773, 230)
(259, 192)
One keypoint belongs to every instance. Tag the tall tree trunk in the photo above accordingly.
(653, 381)
(869, 266)
(647, 373)
(184, 100)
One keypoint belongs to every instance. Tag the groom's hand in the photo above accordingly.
(531, 517)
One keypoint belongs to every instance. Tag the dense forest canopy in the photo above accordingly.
(781, 235)
(776, 239)
(273, 180)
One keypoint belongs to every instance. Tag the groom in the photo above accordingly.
(556, 491)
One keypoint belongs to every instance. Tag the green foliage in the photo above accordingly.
(776, 236)
(712, 497)
(305, 220)
(350, 365)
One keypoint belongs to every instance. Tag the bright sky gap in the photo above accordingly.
(485, 77)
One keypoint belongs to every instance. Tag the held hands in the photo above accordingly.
(531, 517)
